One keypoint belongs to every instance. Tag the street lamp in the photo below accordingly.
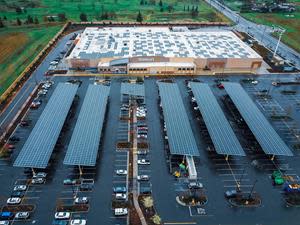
(281, 32)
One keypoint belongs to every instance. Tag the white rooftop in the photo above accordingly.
(122, 42)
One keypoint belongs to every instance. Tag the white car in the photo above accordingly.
(121, 211)
(38, 181)
(143, 162)
(254, 82)
(143, 178)
(81, 200)
(78, 222)
(40, 175)
(62, 215)
(13, 201)
(121, 172)
(121, 196)
(22, 215)
(20, 188)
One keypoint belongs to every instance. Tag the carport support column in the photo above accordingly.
(273, 157)
(226, 157)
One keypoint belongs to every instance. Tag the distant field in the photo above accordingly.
(18, 47)
(290, 21)
(124, 10)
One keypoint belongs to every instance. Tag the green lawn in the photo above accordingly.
(15, 61)
(289, 21)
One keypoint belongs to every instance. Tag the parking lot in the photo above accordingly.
(215, 172)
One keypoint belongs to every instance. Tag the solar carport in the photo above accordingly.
(180, 135)
(39, 146)
(261, 128)
(219, 129)
(85, 140)
(133, 89)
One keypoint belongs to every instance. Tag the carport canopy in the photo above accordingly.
(261, 128)
(39, 146)
(85, 140)
(180, 135)
(219, 129)
(133, 89)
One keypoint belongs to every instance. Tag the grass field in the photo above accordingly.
(20, 44)
(289, 21)
(18, 47)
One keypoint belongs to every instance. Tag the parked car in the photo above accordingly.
(78, 222)
(62, 215)
(4, 222)
(230, 193)
(121, 196)
(86, 187)
(17, 194)
(195, 185)
(143, 162)
(143, 178)
(119, 189)
(121, 211)
(39, 175)
(24, 123)
(70, 182)
(81, 200)
(38, 181)
(121, 172)
(14, 139)
(13, 201)
(22, 215)
(142, 152)
(20, 188)
(60, 222)
(6, 215)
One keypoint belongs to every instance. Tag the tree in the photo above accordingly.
(4, 17)
(1, 23)
(170, 8)
(139, 17)
(83, 17)
(161, 9)
(188, 8)
(160, 3)
(142, 2)
(19, 22)
(61, 17)
(18, 10)
(36, 21)
(29, 19)
(184, 8)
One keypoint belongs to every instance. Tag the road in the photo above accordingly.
(261, 32)
(37, 76)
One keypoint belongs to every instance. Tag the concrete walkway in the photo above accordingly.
(135, 170)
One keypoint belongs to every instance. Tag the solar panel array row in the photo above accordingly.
(84, 144)
(219, 129)
(133, 89)
(180, 135)
(261, 128)
(39, 146)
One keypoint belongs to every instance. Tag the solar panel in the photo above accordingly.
(84, 144)
(180, 135)
(219, 129)
(132, 89)
(261, 128)
(38, 148)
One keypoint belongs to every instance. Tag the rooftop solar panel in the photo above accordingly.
(38, 148)
(180, 135)
(261, 128)
(84, 144)
(133, 89)
(220, 131)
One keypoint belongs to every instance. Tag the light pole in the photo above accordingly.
(281, 32)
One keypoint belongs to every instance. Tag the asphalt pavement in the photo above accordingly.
(261, 32)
